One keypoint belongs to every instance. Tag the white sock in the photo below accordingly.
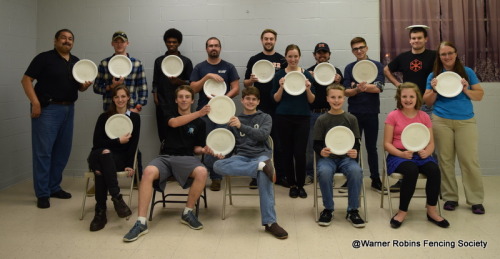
(261, 166)
(142, 220)
(186, 210)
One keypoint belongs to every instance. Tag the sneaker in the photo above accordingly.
(43, 202)
(269, 170)
(309, 180)
(136, 231)
(191, 221)
(277, 231)
(253, 184)
(294, 192)
(395, 187)
(450, 205)
(215, 186)
(99, 220)
(325, 218)
(61, 194)
(377, 186)
(302, 193)
(121, 207)
(344, 188)
(478, 209)
(353, 217)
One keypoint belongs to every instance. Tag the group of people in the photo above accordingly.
(298, 125)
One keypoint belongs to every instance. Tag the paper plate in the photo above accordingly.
(295, 83)
(118, 125)
(365, 71)
(84, 70)
(324, 73)
(418, 25)
(415, 137)
(221, 141)
(339, 139)
(449, 84)
(172, 66)
(222, 108)
(214, 88)
(120, 66)
(263, 70)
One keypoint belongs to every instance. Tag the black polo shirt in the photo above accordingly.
(54, 77)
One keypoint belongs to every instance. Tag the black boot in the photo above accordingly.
(99, 220)
(121, 207)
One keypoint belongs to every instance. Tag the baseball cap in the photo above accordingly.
(120, 34)
(321, 46)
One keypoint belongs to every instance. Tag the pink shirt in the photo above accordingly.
(399, 121)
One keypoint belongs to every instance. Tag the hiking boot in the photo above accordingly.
(121, 207)
(277, 231)
(191, 221)
(136, 231)
(99, 220)
(353, 217)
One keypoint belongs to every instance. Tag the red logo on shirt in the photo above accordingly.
(415, 65)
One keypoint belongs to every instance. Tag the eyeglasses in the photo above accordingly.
(358, 48)
(446, 54)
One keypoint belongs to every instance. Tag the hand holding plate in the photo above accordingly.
(125, 138)
(423, 154)
(325, 152)
(235, 122)
(253, 78)
(406, 154)
(215, 77)
(282, 82)
(205, 110)
(337, 79)
(308, 84)
(465, 84)
(434, 83)
(352, 153)
(362, 86)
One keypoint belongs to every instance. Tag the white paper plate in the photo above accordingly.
(365, 71)
(263, 70)
(222, 108)
(118, 125)
(324, 73)
(221, 141)
(418, 25)
(339, 139)
(120, 66)
(449, 84)
(213, 88)
(172, 66)
(84, 70)
(295, 83)
(415, 137)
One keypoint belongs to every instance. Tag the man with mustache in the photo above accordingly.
(52, 111)
(221, 71)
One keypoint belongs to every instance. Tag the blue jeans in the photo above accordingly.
(245, 166)
(51, 137)
(310, 143)
(209, 160)
(368, 123)
(350, 168)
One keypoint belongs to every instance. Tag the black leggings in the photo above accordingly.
(107, 181)
(410, 172)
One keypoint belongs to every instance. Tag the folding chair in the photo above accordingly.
(338, 177)
(398, 176)
(227, 189)
(122, 174)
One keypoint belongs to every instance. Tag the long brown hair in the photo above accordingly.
(112, 107)
(438, 64)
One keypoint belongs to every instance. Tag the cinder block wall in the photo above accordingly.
(28, 28)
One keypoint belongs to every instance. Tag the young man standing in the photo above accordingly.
(252, 156)
(364, 103)
(221, 71)
(329, 163)
(185, 137)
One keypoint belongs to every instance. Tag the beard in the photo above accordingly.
(269, 47)
(214, 54)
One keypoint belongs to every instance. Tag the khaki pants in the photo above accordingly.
(458, 138)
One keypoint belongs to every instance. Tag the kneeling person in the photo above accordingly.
(252, 156)
(185, 137)
(329, 163)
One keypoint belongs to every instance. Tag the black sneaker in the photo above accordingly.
(294, 192)
(99, 220)
(344, 188)
(325, 218)
(253, 184)
(396, 187)
(277, 231)
(450, 205)
(121, 207)
(43, 203)
(478, 209)
(302, 193)
(61, 194)
(377, 186)
(353, 217)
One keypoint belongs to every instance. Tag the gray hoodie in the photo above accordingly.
(251, 137)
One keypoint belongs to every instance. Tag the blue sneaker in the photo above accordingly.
(136, 231)
(191, 221)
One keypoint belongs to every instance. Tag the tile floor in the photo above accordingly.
(57, 232)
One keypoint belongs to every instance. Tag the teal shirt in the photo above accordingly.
(290, 104)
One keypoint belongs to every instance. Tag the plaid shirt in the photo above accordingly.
(135, 82)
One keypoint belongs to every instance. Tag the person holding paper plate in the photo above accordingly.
(451, 88)
(417, 160)
(293, 91)
(364, 81)
(110, 154)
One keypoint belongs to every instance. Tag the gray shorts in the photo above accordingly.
(180, 167)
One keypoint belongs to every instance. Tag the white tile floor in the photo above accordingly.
(29, 232)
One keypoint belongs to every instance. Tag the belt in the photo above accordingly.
(61, 102)
(320, 110)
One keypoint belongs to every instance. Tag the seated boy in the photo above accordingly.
(252, 154)
(329, 163)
